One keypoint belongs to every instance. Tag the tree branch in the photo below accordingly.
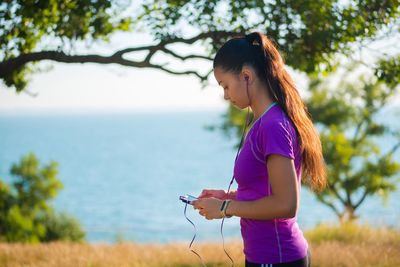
(356, 139)
(365, 194)
(183, 58)
(331, 205)
(393, 150)
(357, 131)
(332, 187)
(7, 67)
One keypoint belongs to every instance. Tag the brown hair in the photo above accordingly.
(257, 50)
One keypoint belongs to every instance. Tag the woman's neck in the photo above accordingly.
(260, 103)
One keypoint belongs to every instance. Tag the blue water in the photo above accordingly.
(123, 172)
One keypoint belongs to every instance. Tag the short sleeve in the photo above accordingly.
(274, 137)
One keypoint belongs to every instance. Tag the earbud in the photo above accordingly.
(247, 88)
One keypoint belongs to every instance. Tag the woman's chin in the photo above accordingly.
(239, 106)
(236, 105)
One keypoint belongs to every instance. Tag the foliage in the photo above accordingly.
(307, 32)
(24, 24)
(388, 70)
(62, 227)
(25, 214)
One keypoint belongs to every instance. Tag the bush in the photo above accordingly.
(62, 227)
(25, 215)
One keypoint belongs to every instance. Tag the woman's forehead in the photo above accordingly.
(222, 76)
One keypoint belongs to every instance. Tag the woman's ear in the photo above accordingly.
(247, 74)
(247, 78)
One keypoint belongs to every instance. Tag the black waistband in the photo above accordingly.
(304, 262)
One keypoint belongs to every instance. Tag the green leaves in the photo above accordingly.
(25, 215)
(388, 71)
(62, 227)
(35, 186)
(308, 33)
(25, 24)
(20, 227)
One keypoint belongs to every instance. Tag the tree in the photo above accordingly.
(25, 215)
(346, 115)
(308, 33)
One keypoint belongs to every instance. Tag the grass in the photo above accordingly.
(331, 245)
(354, 245)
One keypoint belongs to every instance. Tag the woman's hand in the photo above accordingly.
(209, 207)
(207, 193)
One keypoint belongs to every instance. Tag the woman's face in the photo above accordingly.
(234, 87)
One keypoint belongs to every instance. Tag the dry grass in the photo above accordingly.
(343, 246)
(338, 254)
(354, 245)
(124, 254)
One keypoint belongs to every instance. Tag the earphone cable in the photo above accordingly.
(195, 233)
(223, 219)
(231, 182)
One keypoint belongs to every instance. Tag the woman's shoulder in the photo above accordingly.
(276, 117)
(276, 123)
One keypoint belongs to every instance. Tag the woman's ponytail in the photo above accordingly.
(258, 51)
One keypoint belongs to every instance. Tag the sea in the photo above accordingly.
(123, 172)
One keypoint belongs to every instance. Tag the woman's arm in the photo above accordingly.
(217, 193)
(283, 201)
(231, 195)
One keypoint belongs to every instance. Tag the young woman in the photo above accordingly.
(281, 146)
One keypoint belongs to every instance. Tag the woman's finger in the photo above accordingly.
(196, 204)
(204, 193)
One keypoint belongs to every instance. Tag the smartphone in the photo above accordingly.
(188, 199)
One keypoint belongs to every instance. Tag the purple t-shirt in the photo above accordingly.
(277, 240)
